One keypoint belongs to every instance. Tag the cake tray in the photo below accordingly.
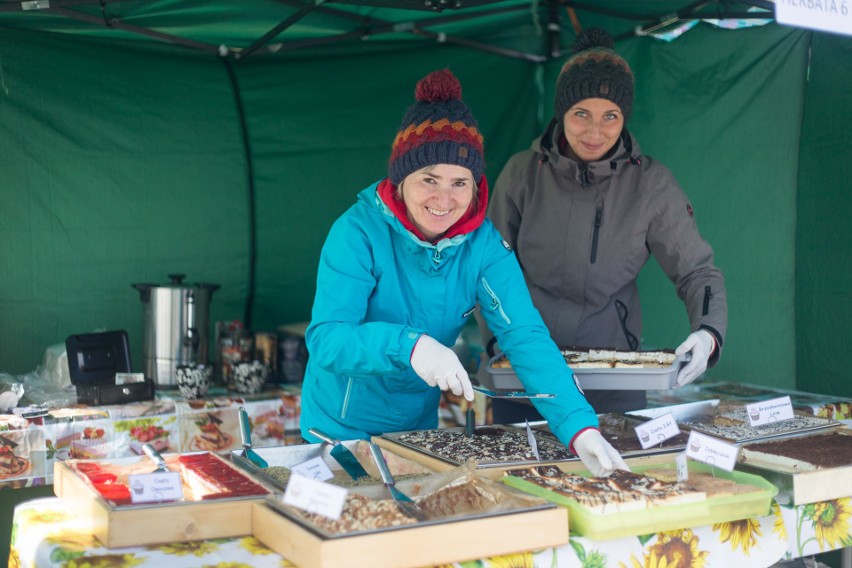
(798, 486)
(734, 427)
(713, 510)
(435, 460)
(289, 456)
(649, 378)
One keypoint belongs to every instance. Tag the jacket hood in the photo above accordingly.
(547, 147)
(469, 222)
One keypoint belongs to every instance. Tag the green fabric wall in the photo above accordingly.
(123, 163)
(824, 232)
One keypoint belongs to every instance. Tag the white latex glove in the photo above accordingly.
(700, 343)
(439, 366)
(597, 454)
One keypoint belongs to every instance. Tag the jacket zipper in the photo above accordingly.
(584, 176)
(495, 302)
(707, 296)
(346, 396)
(598, 216)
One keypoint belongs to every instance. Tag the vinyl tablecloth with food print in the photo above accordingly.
(48, 533)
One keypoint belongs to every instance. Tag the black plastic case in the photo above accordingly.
(93, 361)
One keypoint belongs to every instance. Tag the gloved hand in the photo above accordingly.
(700, 343)
(439, 366)
(597, 454)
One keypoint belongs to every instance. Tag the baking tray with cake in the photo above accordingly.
(806, 469)
(599, 369)
(648, 499)
(730, 423)
(213, 490)
(281, 459)
(618, 429)
(491, 446)
(373, 531)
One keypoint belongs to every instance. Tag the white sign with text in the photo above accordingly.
(657, 431)
(314, 468)
(315, 496)
(152, 487)
(711, 451)
(769, 411)
(827, 15)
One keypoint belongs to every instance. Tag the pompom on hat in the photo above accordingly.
(594, 70)
(437, 129)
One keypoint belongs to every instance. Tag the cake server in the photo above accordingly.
(511, 393)
(342, 455)
(406, 503)
(155, 456)
(245, 434)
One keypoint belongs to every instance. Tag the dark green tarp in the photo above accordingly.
(123, 159)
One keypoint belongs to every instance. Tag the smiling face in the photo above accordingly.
(592, 127)
(436, 197)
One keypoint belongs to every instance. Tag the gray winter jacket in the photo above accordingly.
(582, 233)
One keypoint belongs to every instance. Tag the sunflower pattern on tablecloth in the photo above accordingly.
(743, 534)
(679, 548)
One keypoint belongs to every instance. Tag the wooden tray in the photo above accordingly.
(414, 546)
(802, 487)
(138, 525)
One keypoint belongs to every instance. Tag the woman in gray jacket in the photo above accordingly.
(584, 209)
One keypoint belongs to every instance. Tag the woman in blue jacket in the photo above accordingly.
(400, 274)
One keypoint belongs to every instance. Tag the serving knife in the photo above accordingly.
(406, 503)
(155, 456)
(511, 393)
(342, 455)
(245, 434)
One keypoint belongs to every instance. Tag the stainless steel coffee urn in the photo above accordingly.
(177, 317)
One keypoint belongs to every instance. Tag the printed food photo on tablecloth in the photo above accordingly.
(267, 422)
(210, 430)
(17, 440)
(159, 431)
(91, 439)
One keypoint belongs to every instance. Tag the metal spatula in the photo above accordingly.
(406, 504)
(342, 455)
(155, 456)
(245, 434)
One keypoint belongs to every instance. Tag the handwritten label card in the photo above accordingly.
(773, 410)
(314, 468)
(150, 487)
(315, 496)
(656, 431)
(711, 451)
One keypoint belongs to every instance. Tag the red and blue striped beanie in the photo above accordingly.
(437, 129)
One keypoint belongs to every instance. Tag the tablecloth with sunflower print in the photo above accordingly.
(47, 533)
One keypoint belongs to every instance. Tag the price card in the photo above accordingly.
(314, 468)
(768, 411)
(657, 431)
(315, 496)
(532, 441)
(711, 451)
(150, 487)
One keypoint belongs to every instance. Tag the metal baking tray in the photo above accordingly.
(801, 487)
(801, 424)
(617, 429)
(289, 456)
(410, 488)
(549, 449)
(662, 378)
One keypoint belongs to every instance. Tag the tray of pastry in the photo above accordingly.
(619, 430)
(648, 499)
(806, 469)
(597, 369)
(212, 489)
(371, 530)
(730, 423)
(281, 459)
(491, 446)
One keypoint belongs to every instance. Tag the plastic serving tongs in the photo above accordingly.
(245, 434)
